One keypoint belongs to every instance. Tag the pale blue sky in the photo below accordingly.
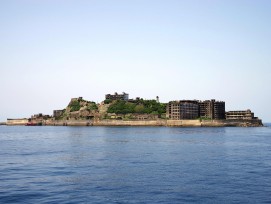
(53, 50)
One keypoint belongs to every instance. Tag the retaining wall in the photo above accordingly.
(22, 121)
(159, 122)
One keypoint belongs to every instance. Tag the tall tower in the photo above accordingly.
(157, 99)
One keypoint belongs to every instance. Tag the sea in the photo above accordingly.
(47, 164)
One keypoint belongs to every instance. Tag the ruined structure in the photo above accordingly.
(116, 96)
(212, 109)
(40, 116)
(191, 109)
(38, 119)
(240, 115)
(184, 109)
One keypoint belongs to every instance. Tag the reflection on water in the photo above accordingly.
(134, 165)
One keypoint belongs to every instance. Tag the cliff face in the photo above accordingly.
(78, 108)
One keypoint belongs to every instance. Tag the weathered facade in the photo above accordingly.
(192, 109)
(116, 96)
(240, 115)
(184, 109)
(38, 119)
(212, 109)
(40, 116)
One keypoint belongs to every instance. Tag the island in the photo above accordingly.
(120, 110)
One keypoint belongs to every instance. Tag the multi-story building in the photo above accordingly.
(212, 109)
(219, 110)
(184, 109)
(116, 96)
(240, 115)
(191, 109)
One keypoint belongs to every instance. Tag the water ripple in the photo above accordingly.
(135, 165)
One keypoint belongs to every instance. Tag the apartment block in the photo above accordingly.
(240, 115)
(212, 109)
(184, 109)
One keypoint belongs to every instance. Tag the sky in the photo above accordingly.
(55, 50)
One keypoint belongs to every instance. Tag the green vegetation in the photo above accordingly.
(107, 101)
(75, 106)
(140, 107)
(60, 117)
(92, 106)
(121, 107)
(163, 116)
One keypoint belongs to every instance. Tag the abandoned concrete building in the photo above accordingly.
(192, 109)
(240, 115)
(80, 98)
(40, 116)
(116, 96)
(212, 109)
(184, 109)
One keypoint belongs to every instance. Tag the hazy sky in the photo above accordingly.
(53, 50)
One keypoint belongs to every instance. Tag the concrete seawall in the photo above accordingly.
(159, 122)
(183, 123)
(20, 121)
(130, 123)
(232, 123)
(107, 123)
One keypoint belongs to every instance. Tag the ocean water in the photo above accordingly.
(135, 165)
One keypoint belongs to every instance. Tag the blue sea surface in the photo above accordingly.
(135, 165)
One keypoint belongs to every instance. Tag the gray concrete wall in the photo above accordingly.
(184, 123)
(22, 121)
(159, 122)
(231, 123)
(130, 123)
